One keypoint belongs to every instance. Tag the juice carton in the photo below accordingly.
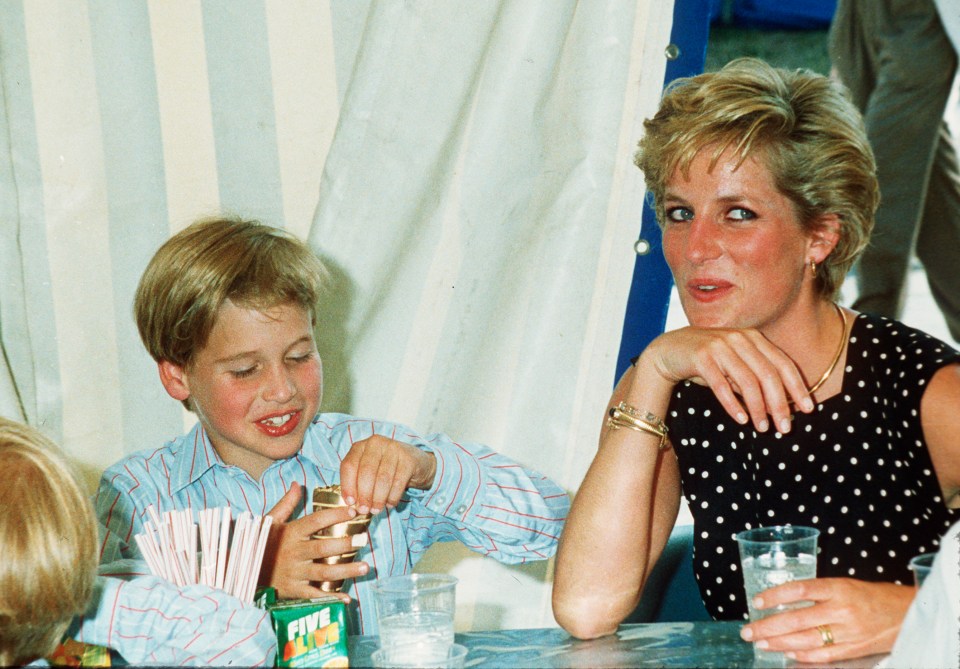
(310, 632)
(72, 653)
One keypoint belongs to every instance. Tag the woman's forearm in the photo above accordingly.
(619, 522)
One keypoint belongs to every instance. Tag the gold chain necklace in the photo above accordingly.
(836, 356)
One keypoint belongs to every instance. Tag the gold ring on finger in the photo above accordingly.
(825, 634)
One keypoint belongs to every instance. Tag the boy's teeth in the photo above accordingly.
(708, 287)
(277, 421)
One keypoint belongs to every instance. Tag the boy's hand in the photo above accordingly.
(290, 563)
(377, 470)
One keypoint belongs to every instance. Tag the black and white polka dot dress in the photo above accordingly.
(857, 468)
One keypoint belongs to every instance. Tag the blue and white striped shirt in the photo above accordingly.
(479, 497)
(149, 621)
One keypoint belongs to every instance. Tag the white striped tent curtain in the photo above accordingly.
(464, 168)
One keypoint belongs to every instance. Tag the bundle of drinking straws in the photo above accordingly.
(226, 560)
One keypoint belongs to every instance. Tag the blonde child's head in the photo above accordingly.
(48, 535)
(227, 308)
(214, 260)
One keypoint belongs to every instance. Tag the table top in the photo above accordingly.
(692, 644)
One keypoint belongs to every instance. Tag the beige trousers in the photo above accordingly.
(895, 57)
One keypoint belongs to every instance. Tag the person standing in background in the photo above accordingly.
(899, 64)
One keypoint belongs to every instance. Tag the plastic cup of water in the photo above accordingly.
(771, 556)
(416, 610)
(437, 656)
(920, 566)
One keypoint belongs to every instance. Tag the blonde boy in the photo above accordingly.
(226, 308)
(48, 544)
(50, 588)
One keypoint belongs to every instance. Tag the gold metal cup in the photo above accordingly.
(328, 498)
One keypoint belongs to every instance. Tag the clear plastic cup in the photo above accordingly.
(436, 656)
(771, 556)
(920, 566)
(416, 610)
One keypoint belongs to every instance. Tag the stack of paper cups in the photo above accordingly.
(356, 528)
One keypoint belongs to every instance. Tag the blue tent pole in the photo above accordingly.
(649, 299)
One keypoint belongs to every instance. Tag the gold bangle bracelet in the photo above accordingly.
(624, 415)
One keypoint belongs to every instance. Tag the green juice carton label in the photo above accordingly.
(310, 632)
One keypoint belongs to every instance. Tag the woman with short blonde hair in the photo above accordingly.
(803, 125)
(776, 405)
